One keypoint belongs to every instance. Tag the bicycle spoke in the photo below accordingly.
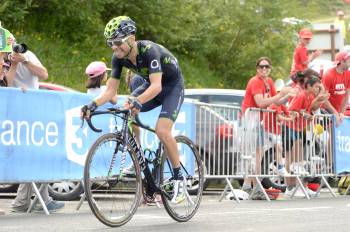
(191, 168)
(112, 198)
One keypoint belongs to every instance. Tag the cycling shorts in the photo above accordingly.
(170, 98)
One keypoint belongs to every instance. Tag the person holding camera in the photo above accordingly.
(25, 72)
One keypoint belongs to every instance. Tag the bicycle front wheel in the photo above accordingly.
(192, 170)
(113, 197)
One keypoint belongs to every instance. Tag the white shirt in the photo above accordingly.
(24, 77)
(96, 91)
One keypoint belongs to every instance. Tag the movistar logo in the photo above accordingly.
(144, 49)
(143, 72)
(175, 115)
(167, 60)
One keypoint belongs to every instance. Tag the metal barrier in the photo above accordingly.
(259, 143)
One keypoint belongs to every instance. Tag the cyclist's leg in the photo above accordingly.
(171, 104)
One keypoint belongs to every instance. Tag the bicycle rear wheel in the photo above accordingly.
(112, 197)
(192, 170)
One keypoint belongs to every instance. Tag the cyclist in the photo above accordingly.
(163, 86)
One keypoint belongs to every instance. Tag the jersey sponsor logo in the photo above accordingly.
(167, 60)
(144, 49)
(339, 89)
(154, 64)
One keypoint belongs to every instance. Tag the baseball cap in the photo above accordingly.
(96, 68)
(341, 56)
(305, 33)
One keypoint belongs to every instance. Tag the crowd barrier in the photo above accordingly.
(236, 146)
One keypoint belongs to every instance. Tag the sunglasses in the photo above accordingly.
(117, 42)
(264, 66)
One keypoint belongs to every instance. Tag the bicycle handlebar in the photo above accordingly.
(110, 110)
(115, 111)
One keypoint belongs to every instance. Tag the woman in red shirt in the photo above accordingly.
(260, 93)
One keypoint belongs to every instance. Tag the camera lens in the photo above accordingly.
(19, 48)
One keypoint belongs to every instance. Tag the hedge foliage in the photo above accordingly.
(216, 41)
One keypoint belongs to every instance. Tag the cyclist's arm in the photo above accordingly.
(153, 90)
(110, 94)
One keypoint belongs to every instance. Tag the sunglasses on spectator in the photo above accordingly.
(116, 42)
(262, 66)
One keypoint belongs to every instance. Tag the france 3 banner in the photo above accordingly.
(42, 137)
(342, 146)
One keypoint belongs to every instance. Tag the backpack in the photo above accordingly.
(343, 184)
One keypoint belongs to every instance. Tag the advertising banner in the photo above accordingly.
(342, 146)
(41, 138)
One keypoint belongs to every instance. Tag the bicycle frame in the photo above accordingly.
(129, 138)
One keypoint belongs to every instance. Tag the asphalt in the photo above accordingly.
(324, 213)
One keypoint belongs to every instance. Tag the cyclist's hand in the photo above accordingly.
(134, 104)
(87, 109)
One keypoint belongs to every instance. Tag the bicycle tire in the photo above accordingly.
(119, 195)
(181, 212)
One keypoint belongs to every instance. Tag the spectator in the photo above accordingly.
(3, 71)
(340, 21)
(273, 122)
(300, 57)
(260, 93)
(4, 67)
(337, 82)
(97, 74)
(25, 72)
(303, 104)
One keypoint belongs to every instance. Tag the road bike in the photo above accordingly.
(114, 197)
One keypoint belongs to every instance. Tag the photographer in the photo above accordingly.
(25, 72)
(26, 69)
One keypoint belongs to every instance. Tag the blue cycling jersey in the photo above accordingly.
(151, 58)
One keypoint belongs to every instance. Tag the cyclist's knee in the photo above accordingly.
(163, 133)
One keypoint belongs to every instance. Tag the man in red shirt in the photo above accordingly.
(337, 82)
(301, 58)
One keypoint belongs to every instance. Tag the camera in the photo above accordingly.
(19, 48)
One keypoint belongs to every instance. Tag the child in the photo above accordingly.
(97, 73)
(304, 104)
(273, 122)
(301, 58)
